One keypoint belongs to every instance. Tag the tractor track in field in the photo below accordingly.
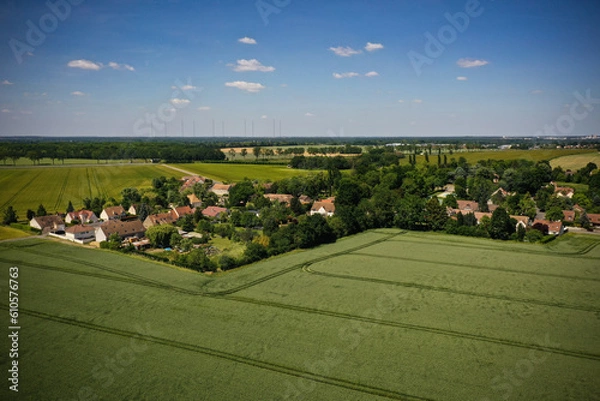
(578, 254)
(407, 326)
(449, 290)
(277, 368)
(28, 183)
(475, 267)
(89, 182)
(62, 190)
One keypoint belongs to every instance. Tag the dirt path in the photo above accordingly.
(180, 170)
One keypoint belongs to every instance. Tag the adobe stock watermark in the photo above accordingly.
(267, 7)
(435, 45)
(106, 372)
(182, 96)
(505, 384)
(36, 34)
(578, 111)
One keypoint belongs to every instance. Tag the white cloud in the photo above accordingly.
(372, 74)
(6, 111)
(26, 112)
(77, 93)
(94, 66)
(536, 92)
(400, 101)
(185, 87)
(371, 47)
(247, 40)
(470, 63)
(264, 117)
(418, 101)
(85, 65)
(462, 78)
(344, 51)
(309, 115)
(345, 75)
(203, 108)
(284, 85)
(251, 65)
(117, 66)
(180, 102)
(7, 82)
(246, 86)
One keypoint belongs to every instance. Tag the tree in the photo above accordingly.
(313, 231)
(241, 193)
(435, 214)
(41, 211)
(10, 216)
(232, 153)
(501, 227)
(254, 252)
(244, 152)
(129, 197)
(30, 214)
(70, 207)
(555, 213)
(197, 260)
(160, 236)
(257, 151)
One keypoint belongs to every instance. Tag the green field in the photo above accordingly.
(237, 172)
(383, 315)
(575, 162)
(26, 188)
(45, 161)
(11, 233)
(510, 154)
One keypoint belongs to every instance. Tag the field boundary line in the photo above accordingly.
(282, 369)
(475, 267)
(89, 182)
(452, 291)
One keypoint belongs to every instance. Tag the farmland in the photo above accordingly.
(380, 315)
(237, 172)
(26, 188)
(473, 157)
(575, 162)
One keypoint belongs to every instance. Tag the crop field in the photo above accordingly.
(510, 154)
(26, 188)
(384, 315)
(237, 172)
(575, 162)
(11, 233)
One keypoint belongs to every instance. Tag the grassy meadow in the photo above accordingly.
(237, 172)
(27, 188)
(11, 233)
(511, 154)
(384, 315)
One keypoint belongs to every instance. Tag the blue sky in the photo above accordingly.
(337, 68)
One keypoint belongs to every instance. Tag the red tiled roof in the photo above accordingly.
(79, 229)
(568, 215)
(114, 211)
(468, 205)
(213, 211)
(123, 228)
(329, 207)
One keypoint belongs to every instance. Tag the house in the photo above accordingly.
(125, 229)
(134, 209)
(305, 200)
(578, 209)
(113, 213)
(554, 227)
(467, 206)
(323, 208)
(565, 192)
(82, 216)
(568, 216)
(189, 182)
(479, 215)
(81, 234)
(48, 224)
(194, 201)
(220, 190)
(179, 212)
(522, 221)
(594, 219)
(158, 219)
(281, 198)
(214, 211)
(492, 207)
